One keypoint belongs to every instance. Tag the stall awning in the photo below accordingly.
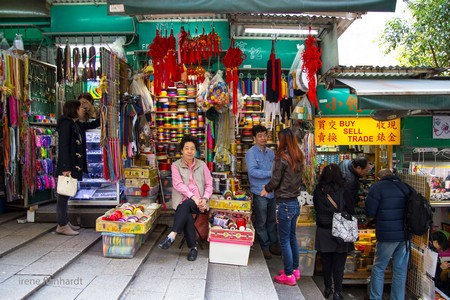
(402, 94)
(139, 7)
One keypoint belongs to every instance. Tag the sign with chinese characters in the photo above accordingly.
(356, 131)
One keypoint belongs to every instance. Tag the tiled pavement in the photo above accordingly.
(37, 263)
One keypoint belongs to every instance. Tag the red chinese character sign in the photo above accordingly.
(356, 131)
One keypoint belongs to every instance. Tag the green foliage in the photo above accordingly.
(421, 39)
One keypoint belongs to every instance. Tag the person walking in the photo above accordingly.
(192, 188)
(71, 157)
(386, 203)
(353, 170)
(259, 159)
(332, 252)
(285, 182)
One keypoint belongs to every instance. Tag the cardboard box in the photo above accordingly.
(152, 212)
(140, 172)
(230, 204)
(138, 182)
(136, 191)
(228, 253)
(307, 262)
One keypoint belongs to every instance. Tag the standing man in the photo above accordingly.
(386, 203)
(259, 161)
(352, 170)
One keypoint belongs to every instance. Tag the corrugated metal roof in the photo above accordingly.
(376, 72)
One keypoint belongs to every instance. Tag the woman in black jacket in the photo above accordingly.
(332, 252)
(71, 156)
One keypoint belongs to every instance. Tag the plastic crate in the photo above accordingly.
(121, 245)
(307, 262)
(306, 236)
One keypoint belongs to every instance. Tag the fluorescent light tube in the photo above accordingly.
(280, 31)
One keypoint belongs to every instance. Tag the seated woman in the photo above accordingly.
(440, 243)
(192, 188)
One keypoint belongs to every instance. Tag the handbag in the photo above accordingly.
(344, 225)
(67, 186)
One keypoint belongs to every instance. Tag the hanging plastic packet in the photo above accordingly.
(18, 42)
(217, 94)
(4, 45)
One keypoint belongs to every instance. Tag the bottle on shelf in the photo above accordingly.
(447, 182)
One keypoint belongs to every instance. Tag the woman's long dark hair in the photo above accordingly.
(289, 150)
(331, 179)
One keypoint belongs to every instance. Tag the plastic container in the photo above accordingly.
(307, 262)
(121, 245)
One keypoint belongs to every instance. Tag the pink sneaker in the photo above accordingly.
(284, 279)
(296, 273)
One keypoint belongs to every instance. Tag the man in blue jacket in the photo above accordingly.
(386, 203)
(259, 160)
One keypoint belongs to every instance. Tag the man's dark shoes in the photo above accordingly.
(267, 254)
(327, 292)
(275, 249)
(338, 296)
(166, 243)
(192, 255)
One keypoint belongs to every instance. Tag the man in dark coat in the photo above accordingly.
(352, 170)
(386, 203)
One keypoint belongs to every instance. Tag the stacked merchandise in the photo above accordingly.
(231, 233)
(176, 115)
(141, 184)
(125, 228)
(306, 235)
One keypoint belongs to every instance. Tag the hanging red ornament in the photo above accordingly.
(232, 61)
(311, 65)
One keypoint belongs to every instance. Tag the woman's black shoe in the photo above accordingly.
(338, 296)
(192, 255)
(166, 243)
(327, 292)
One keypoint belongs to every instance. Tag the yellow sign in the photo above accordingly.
(356, 131)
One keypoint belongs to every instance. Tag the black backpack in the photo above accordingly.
(418, 212)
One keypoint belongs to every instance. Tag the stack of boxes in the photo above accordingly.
(135, 178)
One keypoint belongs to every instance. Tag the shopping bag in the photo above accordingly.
(344, 225)
(67, 186)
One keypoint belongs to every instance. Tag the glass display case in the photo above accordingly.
(94, 189)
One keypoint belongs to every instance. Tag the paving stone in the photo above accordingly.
(50, 263)
(56, 293)
(7, 271)
(185, 288)
(11, 242)
(259, 288)
(19, 286)
(188, 269)
(81, 241)
(34, 229)
(52, 239)
(139, 295)
(116, 284)
(220, 295)
(157, 284)
(25, 256)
